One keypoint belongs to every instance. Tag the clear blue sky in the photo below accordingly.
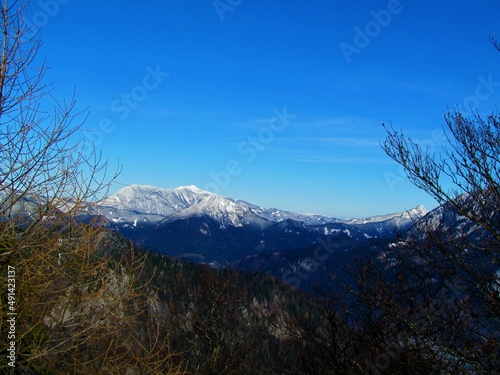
(279, 103)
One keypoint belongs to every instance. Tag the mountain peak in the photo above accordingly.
(136, 190)
(191, 188)
(421, 209)
(401, 217)
(154, 200)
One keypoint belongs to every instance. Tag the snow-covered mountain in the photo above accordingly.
(400, 218)
(147, 204)
(196, 224)
(386, 225)
(145, 199)
(133, 201)
(143, 203)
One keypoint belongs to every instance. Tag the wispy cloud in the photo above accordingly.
(351, 123)
(347, 159)
(340, 123)
(336, 141)
(252, 124)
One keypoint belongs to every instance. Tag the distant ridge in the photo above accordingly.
(190, 201)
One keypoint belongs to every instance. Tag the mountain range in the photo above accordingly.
(194, 224)
(302, 249)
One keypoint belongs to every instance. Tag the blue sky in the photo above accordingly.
(279, 103)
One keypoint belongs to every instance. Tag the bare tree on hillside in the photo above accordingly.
(428, 301)
(80, 308)
(471, 163)
(39, 157)
(459, 250)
